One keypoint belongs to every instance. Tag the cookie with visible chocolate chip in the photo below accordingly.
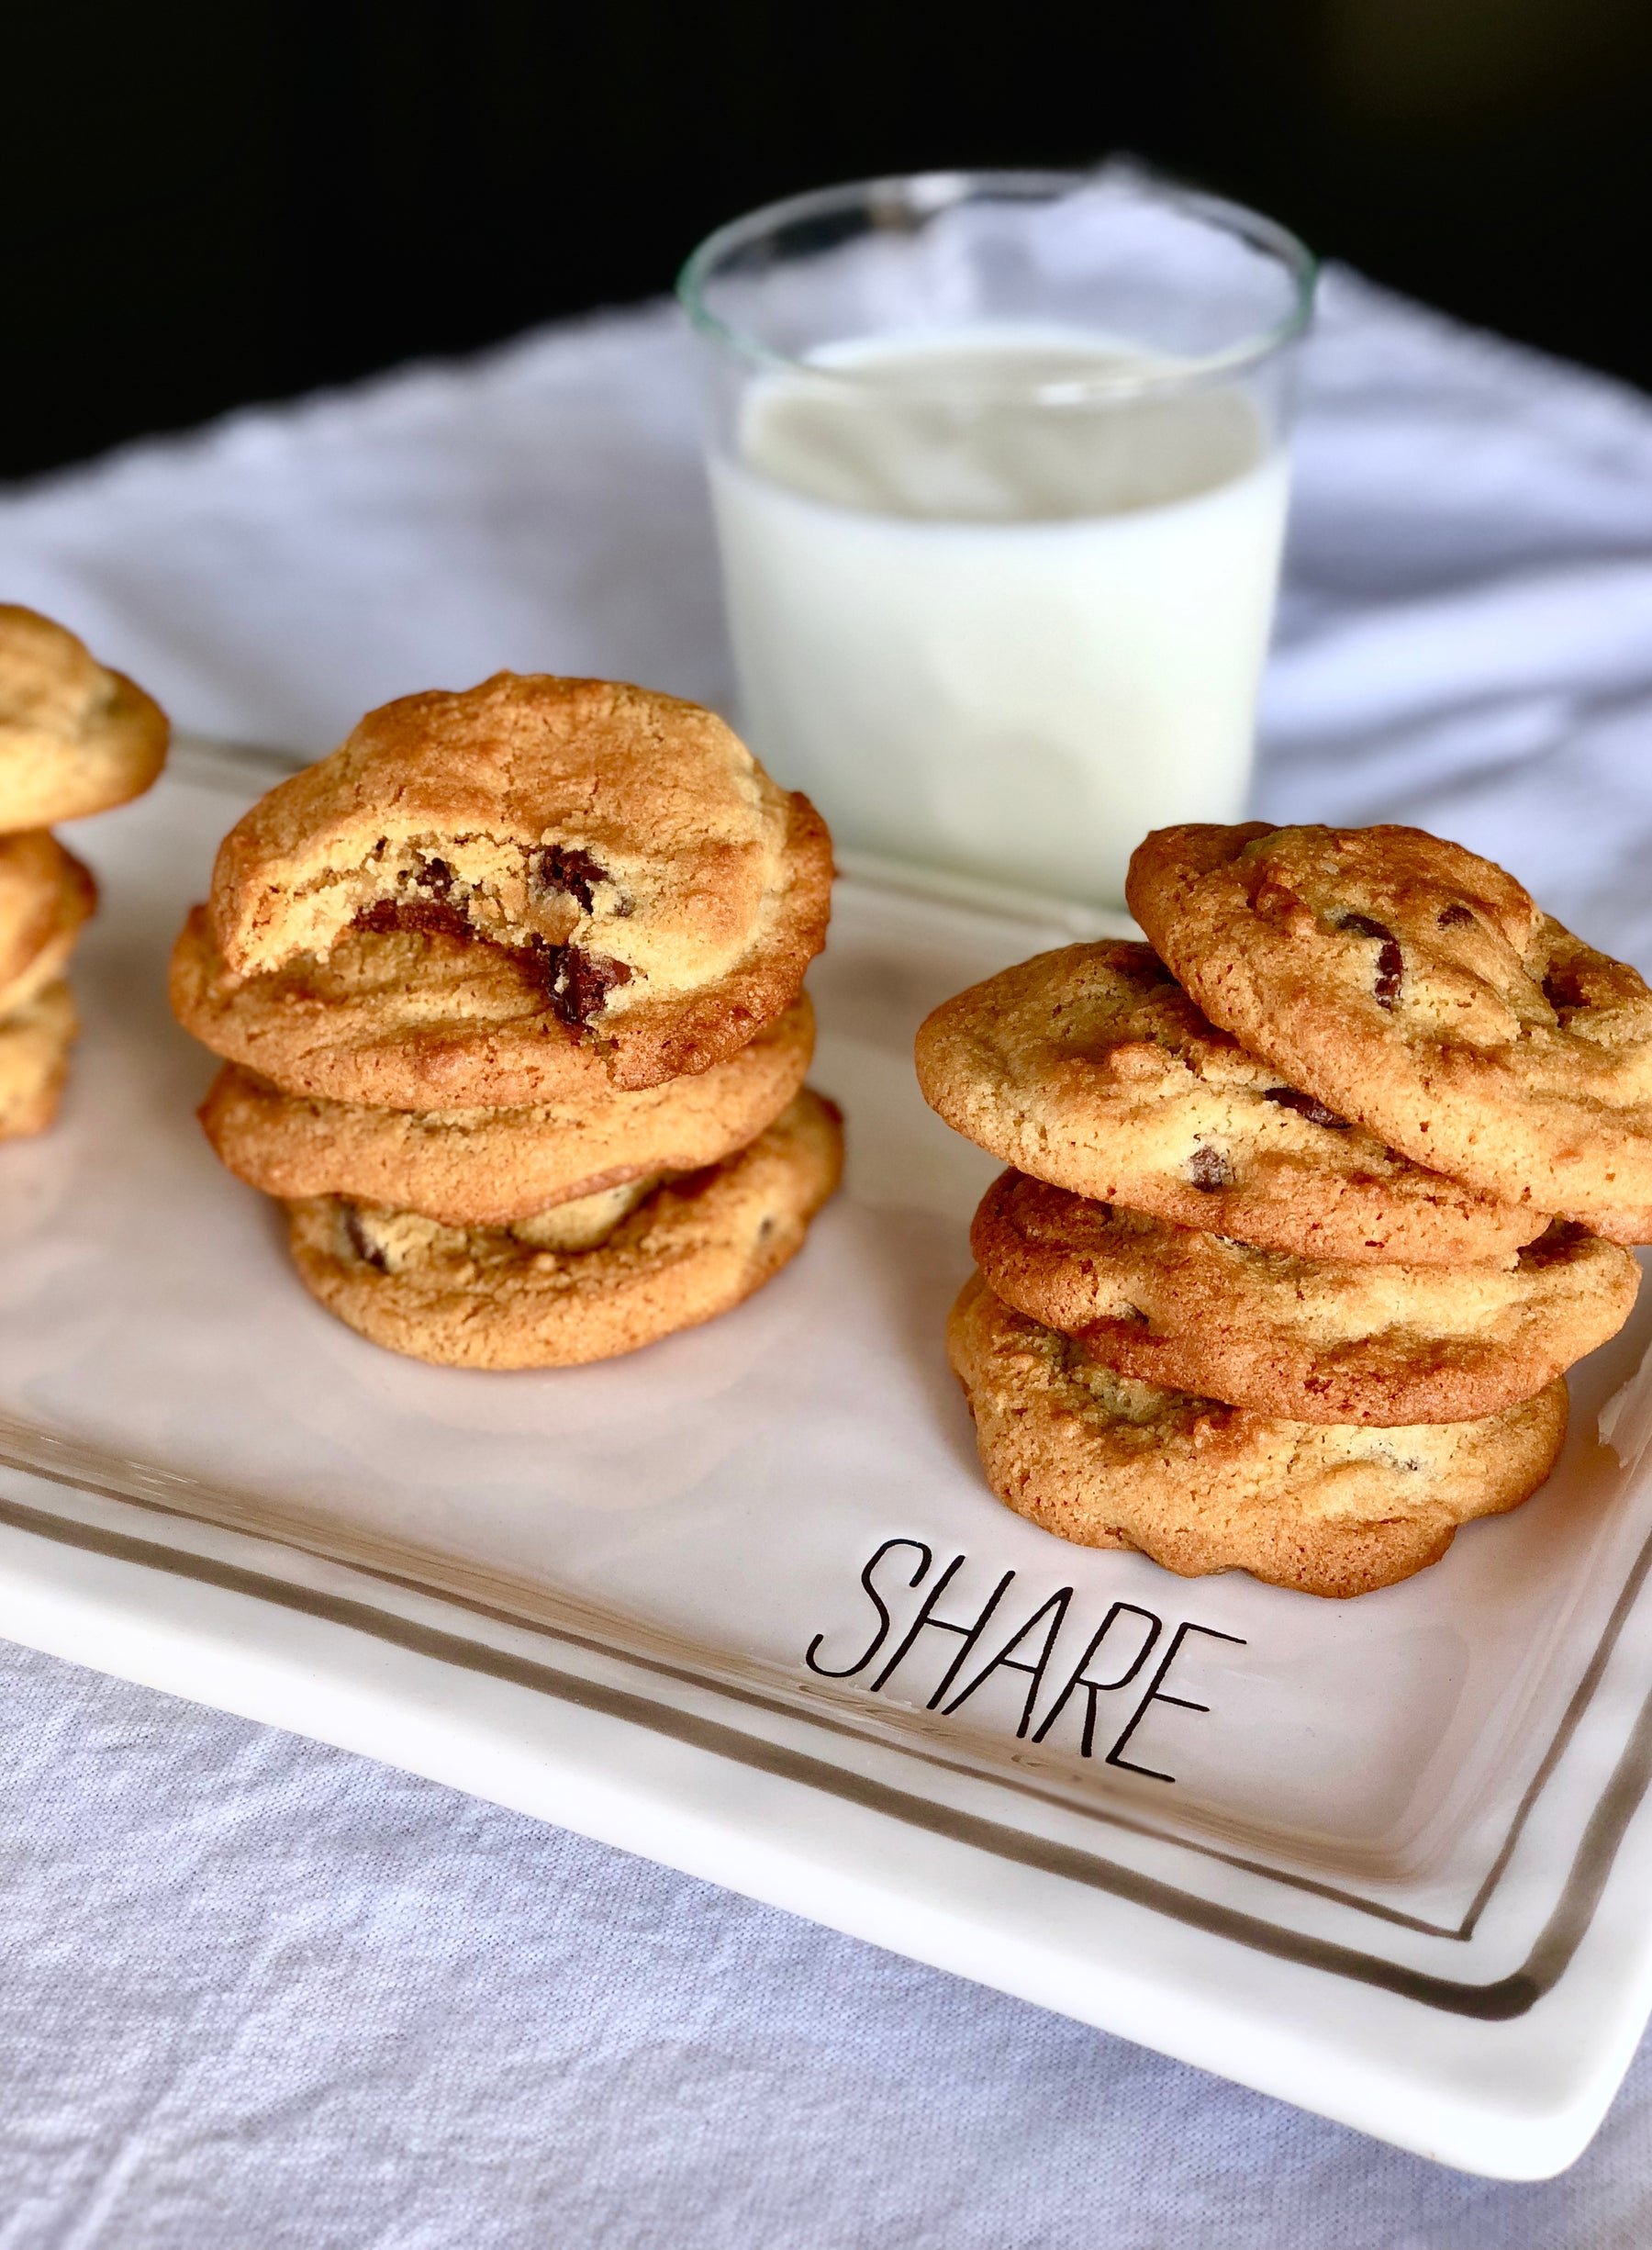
(1317, 1341)
(1105, 1460)
(1090, 1068)
(1418, 989)
(491, 1166)
(35, 1040)
(46, 895)
(662, 892)
(74, 737)
(575, 1284)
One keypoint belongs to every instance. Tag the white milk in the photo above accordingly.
(994, 638)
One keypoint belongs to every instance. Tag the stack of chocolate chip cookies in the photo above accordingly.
(75, 739)
(510, 989)
(1313, 1201)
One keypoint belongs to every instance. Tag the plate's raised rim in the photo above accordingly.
(1511, 1995)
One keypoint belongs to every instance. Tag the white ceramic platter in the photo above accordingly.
(743, 1603)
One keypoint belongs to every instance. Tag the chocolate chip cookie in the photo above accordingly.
(624, 848)
(74, 737)
(490, 1166)
(1418, 990)
(46, 895)
(528, 1296)
(1316, 1340)
(1090, 1068)
(35, 1040)
(1105, 1460)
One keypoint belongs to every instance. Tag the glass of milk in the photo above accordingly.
(999, 467)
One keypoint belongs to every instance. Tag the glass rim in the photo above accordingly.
(926, 193)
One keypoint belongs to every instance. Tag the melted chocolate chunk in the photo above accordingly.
(1391, 961)
(567, 868)
(1559, 1241)
(1453, 917)
(361, 1242)
(433, 915)
(1147, 975)
(581, 982)
(1209, 1170)
(1563, 990)
(434, 876)
(1304, 1104)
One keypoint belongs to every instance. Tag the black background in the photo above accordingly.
(209, 201)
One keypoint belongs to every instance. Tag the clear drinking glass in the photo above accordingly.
(1000, 473)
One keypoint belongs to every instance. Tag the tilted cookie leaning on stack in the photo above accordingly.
(1295, 1251)
(75, 739)
(509, 991)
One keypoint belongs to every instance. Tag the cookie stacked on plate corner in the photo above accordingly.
(1312, 1201)
(76, 739)
(509, 995)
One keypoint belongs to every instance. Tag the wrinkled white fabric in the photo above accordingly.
(257, 1992)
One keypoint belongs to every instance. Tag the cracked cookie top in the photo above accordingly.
(1416, 989)
(627, 843)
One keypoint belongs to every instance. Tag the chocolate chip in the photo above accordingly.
(1147, 973)
(1304, 1104)
(581, 982)
(1209, 1170)
(1557, 1242)
(1391, 961)
(361, 1242)
(1563, 990)
(1453, 917)
(434, 876)
(386, 916)
(569, 868)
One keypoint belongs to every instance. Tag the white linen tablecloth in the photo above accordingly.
(259, 1993)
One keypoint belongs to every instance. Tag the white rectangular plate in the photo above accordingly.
(744, 1602)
